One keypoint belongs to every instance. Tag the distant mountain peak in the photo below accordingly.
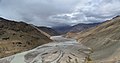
(116, 16)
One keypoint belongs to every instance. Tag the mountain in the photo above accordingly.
(16, 37)
(104, 41)
(80, 27)
(73, 29)
(49, 31)
(62, 29)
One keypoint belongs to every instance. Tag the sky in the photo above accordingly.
(59, 12)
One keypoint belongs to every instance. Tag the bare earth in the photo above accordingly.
(62, 50)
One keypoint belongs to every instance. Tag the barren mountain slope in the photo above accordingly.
(80, 27)
(49, 31)
(103, 39)
(16, 37)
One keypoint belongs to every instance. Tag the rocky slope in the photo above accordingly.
(16, 37)
(78, 28)
(49, 31)
(82, 26)
(104, 41)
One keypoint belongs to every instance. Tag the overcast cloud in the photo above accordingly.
(59, 12)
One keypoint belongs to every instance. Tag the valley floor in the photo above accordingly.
(61, 50)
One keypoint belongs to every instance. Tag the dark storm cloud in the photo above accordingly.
(57, 12)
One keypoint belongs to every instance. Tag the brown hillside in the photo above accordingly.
(49, 31)
(16, 37)
(103, 39)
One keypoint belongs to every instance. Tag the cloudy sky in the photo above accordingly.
(59, 12)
